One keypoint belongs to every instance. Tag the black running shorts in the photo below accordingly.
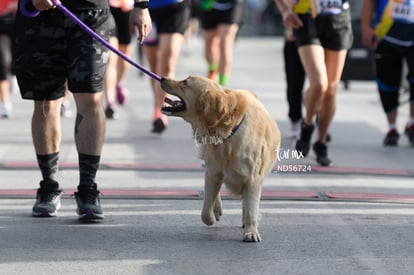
(211, 19)
(51, 49)
(173, 18)
(332, 32)
(122, 25)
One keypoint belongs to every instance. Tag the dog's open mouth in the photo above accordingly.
(173, 106)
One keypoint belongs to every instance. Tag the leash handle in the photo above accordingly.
(64, 10)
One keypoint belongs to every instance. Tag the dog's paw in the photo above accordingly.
(218, 212)
(207, 219)
(251, 237)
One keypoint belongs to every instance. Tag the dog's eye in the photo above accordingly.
(185, 82)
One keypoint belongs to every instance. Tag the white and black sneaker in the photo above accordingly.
(87, 200)
(47, 199)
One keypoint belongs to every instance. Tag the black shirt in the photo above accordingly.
(85, 4)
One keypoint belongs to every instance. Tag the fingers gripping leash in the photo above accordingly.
(64, 10)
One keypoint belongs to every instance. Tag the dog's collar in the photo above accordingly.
(234, 130)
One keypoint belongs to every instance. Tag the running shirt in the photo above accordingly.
(395, 21)
(156, 4)
(319, 7)
(207, 5)
(85, 4)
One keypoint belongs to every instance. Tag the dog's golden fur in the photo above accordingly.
(237, 138)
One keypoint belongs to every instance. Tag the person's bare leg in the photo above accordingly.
(169, 51)
(335, 61)
(111, 81)
(46, 126)
(169, 47)
(90, 123)
(122, 64)
(4, 98)
(313, 61)
(227, 35)
(211, 52)
(4, 90)
(151, 54)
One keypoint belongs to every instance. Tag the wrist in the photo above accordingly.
(286, 13)
(141, 4)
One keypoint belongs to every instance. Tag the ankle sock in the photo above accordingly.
(212, 67)
(223, 79)
(392, 126)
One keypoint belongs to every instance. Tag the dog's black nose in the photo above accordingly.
(163, 79)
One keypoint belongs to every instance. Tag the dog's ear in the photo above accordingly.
(222, 108)
(235, 108)
(211, 107)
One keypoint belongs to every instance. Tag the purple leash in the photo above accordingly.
(65, 11)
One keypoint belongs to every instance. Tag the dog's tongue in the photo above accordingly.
(171, 102)
(168, 100)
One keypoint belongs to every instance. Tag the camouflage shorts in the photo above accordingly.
(51, 49)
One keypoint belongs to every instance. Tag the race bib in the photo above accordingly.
(325, 7)
(403, 11)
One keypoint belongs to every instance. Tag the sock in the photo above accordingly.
(212, 67)
(392, 126)
(48, 165)
(223, 79)
(157, 113)
(88, 166)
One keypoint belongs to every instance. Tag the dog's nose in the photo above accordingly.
(164, 83)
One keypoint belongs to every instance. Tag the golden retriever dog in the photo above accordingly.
(237, 139)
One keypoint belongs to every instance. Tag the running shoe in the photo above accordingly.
(110, 112)
(6, 110)
(158, 126)
(47, 199)
(321, 151)
(303, 143)
(294, 130)
(88, 203)
(121, 94)
(65, 111)
(409, 131)
(391, 139)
